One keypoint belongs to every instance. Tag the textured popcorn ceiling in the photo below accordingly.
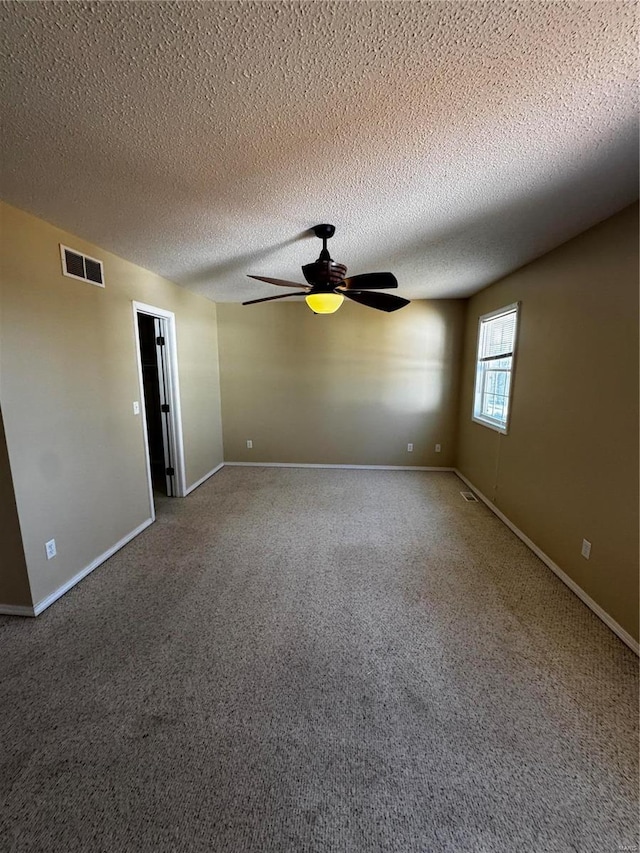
(449, 142)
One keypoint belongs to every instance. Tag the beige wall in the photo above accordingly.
(68, 379)
(197, 332)
(568, 469)
(353, 387)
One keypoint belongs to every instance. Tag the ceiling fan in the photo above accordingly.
(327, 285)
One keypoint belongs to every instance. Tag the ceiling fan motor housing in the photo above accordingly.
(324, 274)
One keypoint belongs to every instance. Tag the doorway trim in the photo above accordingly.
(177, 446)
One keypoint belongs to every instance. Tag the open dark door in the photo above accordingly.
(157, 402)
(165, 404)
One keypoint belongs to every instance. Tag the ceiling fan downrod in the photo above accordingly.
(324, 232)
(324, 274)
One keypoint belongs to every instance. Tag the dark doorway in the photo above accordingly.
(154, 381)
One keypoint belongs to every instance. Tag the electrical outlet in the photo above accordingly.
(249, 444)
(136, 408)
(438, 448)
(50, 548)
(410, 447)
(586, 549)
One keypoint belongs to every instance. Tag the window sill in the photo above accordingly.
(490, 425)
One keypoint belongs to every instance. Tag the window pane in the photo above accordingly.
(497, 335)
(493, 374)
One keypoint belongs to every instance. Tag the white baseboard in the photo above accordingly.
(56, 594)
(16, 610)
(608, 620)
(348, 467)
(199, 482)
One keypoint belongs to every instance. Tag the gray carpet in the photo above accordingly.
(318, 660)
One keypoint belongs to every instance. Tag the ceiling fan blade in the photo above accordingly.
(370, 281)
(269, 298)
(279, 281)
(381, 301)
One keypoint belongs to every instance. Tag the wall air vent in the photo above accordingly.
(82, 267)
(469, 496)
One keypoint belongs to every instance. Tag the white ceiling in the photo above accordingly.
(449, 142)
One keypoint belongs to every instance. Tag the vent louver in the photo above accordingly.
(469, 496)
(76, 265)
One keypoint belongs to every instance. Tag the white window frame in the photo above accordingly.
(475, 416)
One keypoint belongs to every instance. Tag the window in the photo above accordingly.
(494, 367)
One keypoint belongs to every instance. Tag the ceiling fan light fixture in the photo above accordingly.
(324, 303)
(327, 286)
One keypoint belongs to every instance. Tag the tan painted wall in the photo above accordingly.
(353, 387)
(14, 583)
(68, 378)
(568, 469)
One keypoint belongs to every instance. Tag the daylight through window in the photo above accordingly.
(494, 367)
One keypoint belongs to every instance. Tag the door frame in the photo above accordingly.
(161, 333)
(177, 447)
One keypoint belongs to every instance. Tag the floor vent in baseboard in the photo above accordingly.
(469, 496)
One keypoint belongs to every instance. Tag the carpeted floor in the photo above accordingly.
(298, 660)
